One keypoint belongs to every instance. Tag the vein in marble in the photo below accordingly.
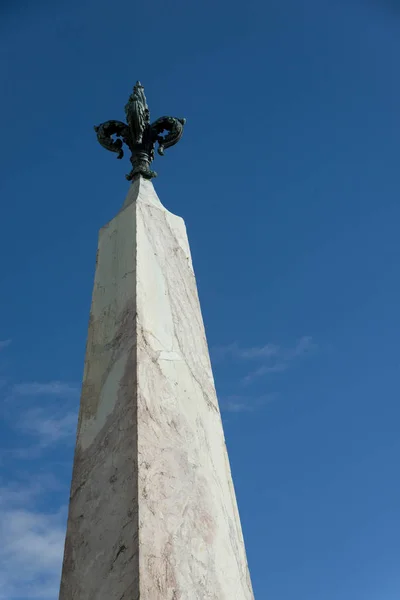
(153, 512)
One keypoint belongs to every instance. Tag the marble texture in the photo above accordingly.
(153, 513)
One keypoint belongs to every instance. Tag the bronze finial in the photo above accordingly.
(139, 135)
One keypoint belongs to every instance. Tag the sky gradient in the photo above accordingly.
(287, 178)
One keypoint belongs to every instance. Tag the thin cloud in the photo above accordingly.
(50, 388)
(49, 430)
(236, 351)
(15, 495)
(45, 413)
(279, 367)
(4, 344)
(32, 545)
(303, 347)
(32, 540)
(240, 404)
(274, 358)
(26, 491)
(256, 352)
(269, 350)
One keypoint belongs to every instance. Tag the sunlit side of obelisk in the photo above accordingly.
(153, 513)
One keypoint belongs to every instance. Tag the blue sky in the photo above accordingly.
(287, 178)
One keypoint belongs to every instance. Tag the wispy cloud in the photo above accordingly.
(48, 429)
(15, 495)
(25, 490)
(45, 413)
(32, 544)
(274, 358)
(240, 404)
(236, 351)
(304, 346)
(4, 344)
(32, 536)
(51, 388)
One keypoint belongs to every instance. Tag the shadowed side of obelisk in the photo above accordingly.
(101, 548)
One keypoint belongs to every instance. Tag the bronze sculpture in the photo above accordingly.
(139, 135)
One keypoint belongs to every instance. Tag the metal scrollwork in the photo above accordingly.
(139, 135)
(106, 130)
(173, 126)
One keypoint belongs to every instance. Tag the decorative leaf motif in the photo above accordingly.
(106, 130)
(175, 131)
(139, 135)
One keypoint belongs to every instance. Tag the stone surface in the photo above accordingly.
(153, 514)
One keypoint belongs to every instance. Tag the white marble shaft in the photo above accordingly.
(153, 513)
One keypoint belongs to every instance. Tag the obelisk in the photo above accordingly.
(153, 512)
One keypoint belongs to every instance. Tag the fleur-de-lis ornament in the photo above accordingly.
(139, 135)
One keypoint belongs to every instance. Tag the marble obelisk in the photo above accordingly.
(153, 513)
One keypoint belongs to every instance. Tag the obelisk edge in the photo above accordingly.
(190, 539)
(142, 191)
